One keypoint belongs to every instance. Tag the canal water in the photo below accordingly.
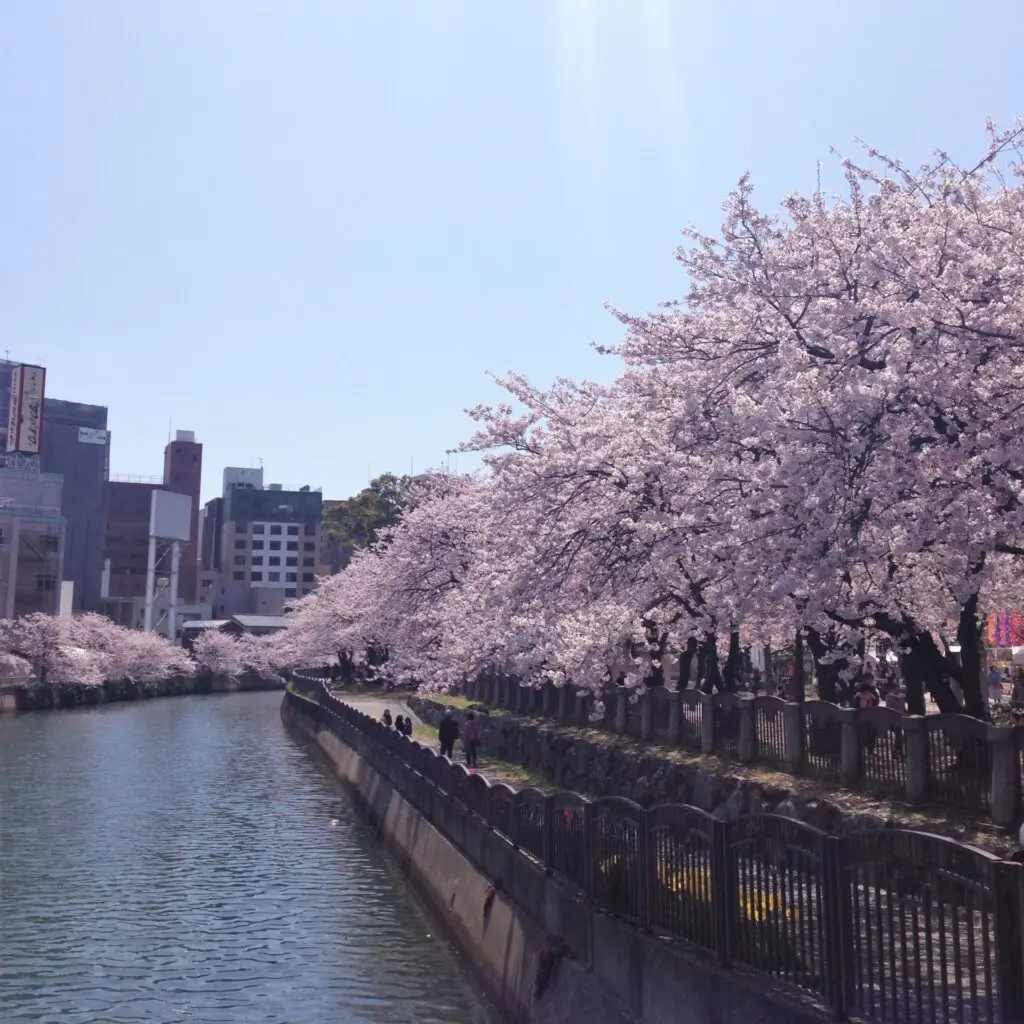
(186, 860)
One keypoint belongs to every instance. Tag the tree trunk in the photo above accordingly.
(934, 671)
(972, 659)
(827, 672)
(799, 675)
(732, 663)
(656, 677)
(712, 673)
(685, 661)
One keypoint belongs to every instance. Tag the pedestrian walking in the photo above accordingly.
(470, 739)
(447, 734)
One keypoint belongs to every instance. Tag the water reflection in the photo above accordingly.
(176, 861)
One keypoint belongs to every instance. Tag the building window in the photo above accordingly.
(291, 560)
(239, 559)
(46, 583)
(257, 559)
(290, 592)
(274, 560)
(50, 543)
(293, 531)
(293, 545)
(257, 528)
(307, 562)
(256, 577)
(239, 576)
(240, 543)
(275, 531)
(275, 545)
(257, 545)
(310, 530)
(309, 546)
(273, 577)
(308, 577)
(289, 577)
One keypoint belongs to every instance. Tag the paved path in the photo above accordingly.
(427, 734)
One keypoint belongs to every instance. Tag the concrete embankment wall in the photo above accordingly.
(540, 951)
(51, 697)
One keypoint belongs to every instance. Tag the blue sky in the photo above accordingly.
(308, 231)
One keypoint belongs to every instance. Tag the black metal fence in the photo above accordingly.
(947, 760)
(884, 925)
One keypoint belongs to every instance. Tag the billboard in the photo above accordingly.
(25, 418)
(90, 435)
(170, 516)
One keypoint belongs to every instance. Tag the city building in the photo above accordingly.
(76, 445)
(73, 442)
(32, 542)
(183, 474)
(261, 545)
(126, 545)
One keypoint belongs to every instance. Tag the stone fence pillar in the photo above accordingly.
(915, 736)
(746, 746)
(563, 702)
(621, 710)
(793, 736)
(849, 751)
(707, 723)
(1005, 794)
(581, 708)
(646, 716)
(675, 718)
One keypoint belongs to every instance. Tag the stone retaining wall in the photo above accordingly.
(543, 955)
(610, 766)
(53, 696)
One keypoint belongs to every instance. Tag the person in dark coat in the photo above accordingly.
(447, 734)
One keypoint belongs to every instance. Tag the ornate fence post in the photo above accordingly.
(915, 736)
(675, 717)
(647, 874)
(746, 747)
(621, 710)
(1009, 941)
(723, 889)
(793, 736)
(849, 751)
(563, 702)
(646, 721)
(1005, 783)
(707, 723)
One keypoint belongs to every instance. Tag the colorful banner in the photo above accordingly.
(1006, 629)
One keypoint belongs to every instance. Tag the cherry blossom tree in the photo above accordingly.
(217, 654)
(89, 650)
(821, 441)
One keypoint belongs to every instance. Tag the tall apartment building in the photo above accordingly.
(126, 544)
(262, 544)
(75, 444)
(32, 542)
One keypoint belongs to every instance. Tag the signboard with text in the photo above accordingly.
(25, 418)
(90, 435)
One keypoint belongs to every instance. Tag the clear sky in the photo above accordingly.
(308, 231)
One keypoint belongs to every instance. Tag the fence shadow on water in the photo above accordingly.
(886, 926)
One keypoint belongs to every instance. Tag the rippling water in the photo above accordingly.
(175, 861)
